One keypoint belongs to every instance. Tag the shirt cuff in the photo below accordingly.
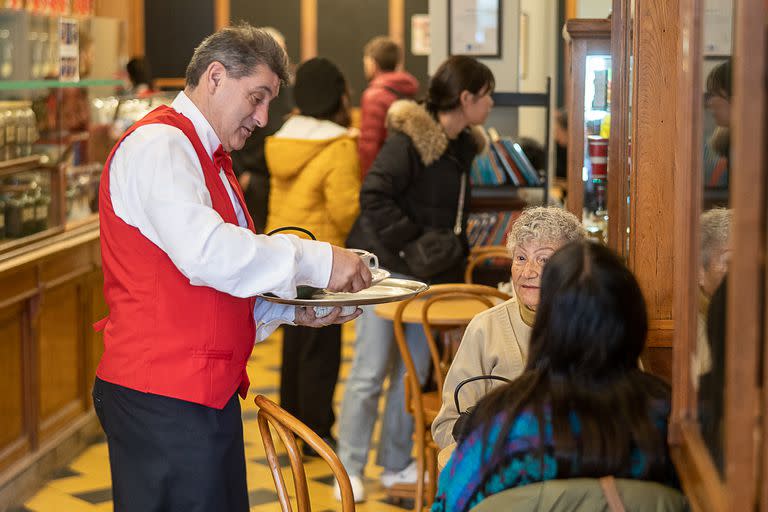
(315, 264)
(270, 315)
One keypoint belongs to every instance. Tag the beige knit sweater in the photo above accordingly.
(495, 343)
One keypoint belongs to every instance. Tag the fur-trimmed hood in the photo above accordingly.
(427, 135)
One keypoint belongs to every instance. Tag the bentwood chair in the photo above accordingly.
(482, 254)
(451, 302)
(288, 428)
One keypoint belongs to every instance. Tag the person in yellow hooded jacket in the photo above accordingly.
(314, 184)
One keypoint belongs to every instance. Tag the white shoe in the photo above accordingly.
(358, 490)
(405, 476)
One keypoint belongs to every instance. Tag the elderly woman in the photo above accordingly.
(496, 340)
(715, 253)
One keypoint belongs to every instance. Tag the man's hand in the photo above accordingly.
(349, 273)
(306, 316)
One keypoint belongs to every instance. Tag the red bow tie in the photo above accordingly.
(222, 160)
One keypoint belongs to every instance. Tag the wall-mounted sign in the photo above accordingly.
(474, 28)
(421, 44)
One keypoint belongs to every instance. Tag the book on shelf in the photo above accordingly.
(490, 228)
(504, 163)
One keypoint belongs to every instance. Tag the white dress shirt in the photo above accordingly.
(156, 184)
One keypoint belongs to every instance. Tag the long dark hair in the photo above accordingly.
(458, 73)
(589, 332)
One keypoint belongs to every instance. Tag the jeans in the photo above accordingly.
(377, 357)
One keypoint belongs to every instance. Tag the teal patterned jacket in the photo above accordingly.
(472, 474)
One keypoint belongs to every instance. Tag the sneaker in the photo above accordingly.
(358, 490)
(406, 476)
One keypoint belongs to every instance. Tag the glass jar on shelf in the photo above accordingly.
(23, 147)
(28, 219)
(14, 205)
(10, 134)
(42, 199)
(2, 215)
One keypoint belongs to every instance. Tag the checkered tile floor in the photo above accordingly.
(84, 485)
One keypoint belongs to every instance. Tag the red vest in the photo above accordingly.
(163, 335)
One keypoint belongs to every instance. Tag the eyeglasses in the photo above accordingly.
(710, 95)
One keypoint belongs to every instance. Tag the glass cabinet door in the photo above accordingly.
(597, 128)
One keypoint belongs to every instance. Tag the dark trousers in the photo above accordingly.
(170, 455)
(310, 369)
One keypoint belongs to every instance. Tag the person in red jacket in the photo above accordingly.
(381, 60)
(183, 266)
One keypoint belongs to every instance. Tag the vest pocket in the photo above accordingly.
(225, 355)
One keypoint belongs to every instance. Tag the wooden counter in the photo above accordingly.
(50, 294)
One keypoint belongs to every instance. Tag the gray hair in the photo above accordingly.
(715, 231)
(239, 48)
(545, 224)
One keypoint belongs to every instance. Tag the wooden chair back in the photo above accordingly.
(424, 406)
(288, 428)
(482, 254)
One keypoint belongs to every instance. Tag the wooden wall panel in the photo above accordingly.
(16, 285)
(364, 19)
(50, 295)
(12, 435)
(95, 340)
(60, 355)
(651, 254)
(284, 15)
(169, 43)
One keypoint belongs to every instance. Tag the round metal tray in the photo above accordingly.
(388, 290)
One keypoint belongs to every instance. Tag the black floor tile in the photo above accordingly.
(250, 414)
(261, 496)
(95, 497)
(327, 480)
(405, 504)
(282, 458)
(64, 472)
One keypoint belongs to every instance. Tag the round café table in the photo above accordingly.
(446, 313)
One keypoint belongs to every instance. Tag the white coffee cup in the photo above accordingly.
(369, 258)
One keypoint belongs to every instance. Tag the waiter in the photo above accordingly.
(181, 266)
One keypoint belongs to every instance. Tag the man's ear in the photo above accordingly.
(214, 74)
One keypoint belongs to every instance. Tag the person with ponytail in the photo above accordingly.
(418, 183)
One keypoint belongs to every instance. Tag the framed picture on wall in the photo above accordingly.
(474, 28)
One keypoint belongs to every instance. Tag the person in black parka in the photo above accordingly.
(413, 186)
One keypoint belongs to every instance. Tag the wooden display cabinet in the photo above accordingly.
(589, 50)
(738, 479)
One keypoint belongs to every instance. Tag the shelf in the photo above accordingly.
(520, 99)
(13, 85)
(498, 197)
(480, 191)
(26, 163)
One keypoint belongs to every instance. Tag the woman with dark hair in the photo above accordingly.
(717, 99)
(417, 183)
(583, 407)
